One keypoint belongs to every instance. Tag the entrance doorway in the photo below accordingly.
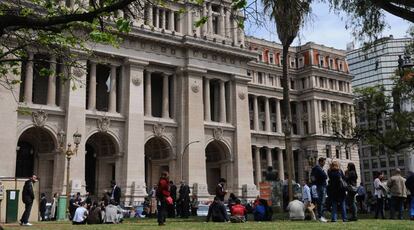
(217, 165)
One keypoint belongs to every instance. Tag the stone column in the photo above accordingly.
(150, 16)
(189, 21)
(207, 112)
(51, 86)
(165, 97)
(221, 22)
(112, 92)
(148, 101)
(316, 115)
(209, 20)
(235, 28)
(339, 117)
(157, 17)
(301, 173)
(329, 117)
(171, 20)
(269, 157)
(280, 165)
(227, 24)
(163, 17)
(204, 14)
(133, 163)
(28, 82)
(278, 117)
(255, 114)
(311, 121)
(267, 115)
(223, 118)
(92, 87)
(258, 166)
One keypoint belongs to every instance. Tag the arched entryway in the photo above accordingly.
(158, 154)
(100, 162)
(36, 149)
(217, 164)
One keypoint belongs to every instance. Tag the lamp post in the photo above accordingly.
(182, 155)
(69, 153)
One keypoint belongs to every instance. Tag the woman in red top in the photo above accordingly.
(163, 191)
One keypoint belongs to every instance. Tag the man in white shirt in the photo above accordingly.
(296, 210)
(80, 215)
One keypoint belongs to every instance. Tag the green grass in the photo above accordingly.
(198, 223)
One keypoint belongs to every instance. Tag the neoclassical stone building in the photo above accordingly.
(199, 102)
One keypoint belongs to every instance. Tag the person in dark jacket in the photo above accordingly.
(28, 197)
(319, 177)
(351, 179)
(217, 212)
(163, 191)
(409, 183)
(220, 191)
(115, 193)
(42, 206)
(336, 192)
(184, 193)
(173, 193)
(74, 203)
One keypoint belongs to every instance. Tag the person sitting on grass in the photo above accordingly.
(80, 215)
(238, 212)
(95, 215)
(112, 213)
(296, 209)
(262, 211)
(217, 212)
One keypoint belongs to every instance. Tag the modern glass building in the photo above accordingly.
(376, 66)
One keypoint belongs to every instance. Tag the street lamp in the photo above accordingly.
(182, 154)
(69, 153)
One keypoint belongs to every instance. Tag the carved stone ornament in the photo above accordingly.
(242, 95)
(103, 124)
(218, 134)
(195, 87)
(39, 118)
(136, 81)
(158, 130)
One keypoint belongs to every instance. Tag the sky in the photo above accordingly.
(328, 29)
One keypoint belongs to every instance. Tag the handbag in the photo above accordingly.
(169, 200)
(343, 184)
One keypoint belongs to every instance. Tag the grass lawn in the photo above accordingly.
(198, 223)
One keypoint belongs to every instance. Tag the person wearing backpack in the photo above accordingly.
(336, 190)
(319, 177)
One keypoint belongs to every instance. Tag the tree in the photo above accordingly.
(289, 17)
(367, 17)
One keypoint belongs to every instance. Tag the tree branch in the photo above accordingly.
(395, 10)
(15, 22)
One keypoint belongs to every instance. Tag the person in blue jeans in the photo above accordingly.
(336, 190)
(409, 183)
(319, 177)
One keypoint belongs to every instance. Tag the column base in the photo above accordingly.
(134, 194)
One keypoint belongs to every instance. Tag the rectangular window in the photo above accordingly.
(328, 151)
(348, 153)
(305, 127)
(338, 152)
(292, 84)
(321, 82)
(324, 127)
(260, 77)
(271, 60)
(303, 83)
(260, 57)
(271, 81)
(383, 163)
(304, 107)
(365, 163)
(374, 163)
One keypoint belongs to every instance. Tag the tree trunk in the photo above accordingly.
(287, 120)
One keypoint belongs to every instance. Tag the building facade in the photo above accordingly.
(371, 67)
(199, 102)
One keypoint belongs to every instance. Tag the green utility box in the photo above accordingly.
(61, 209)
(12, 206)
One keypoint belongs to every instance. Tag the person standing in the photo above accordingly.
(319, 179)
(163, 191)
(74, 203)
(409, 183)
(115, 193)
(42, 206)
(396, 184)
(184, 193)
(28, 197)
(361, 193)
(336, 190)
(173, 193)
(351, 179)
(220, 191)
(54, 207)
(379, 195)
